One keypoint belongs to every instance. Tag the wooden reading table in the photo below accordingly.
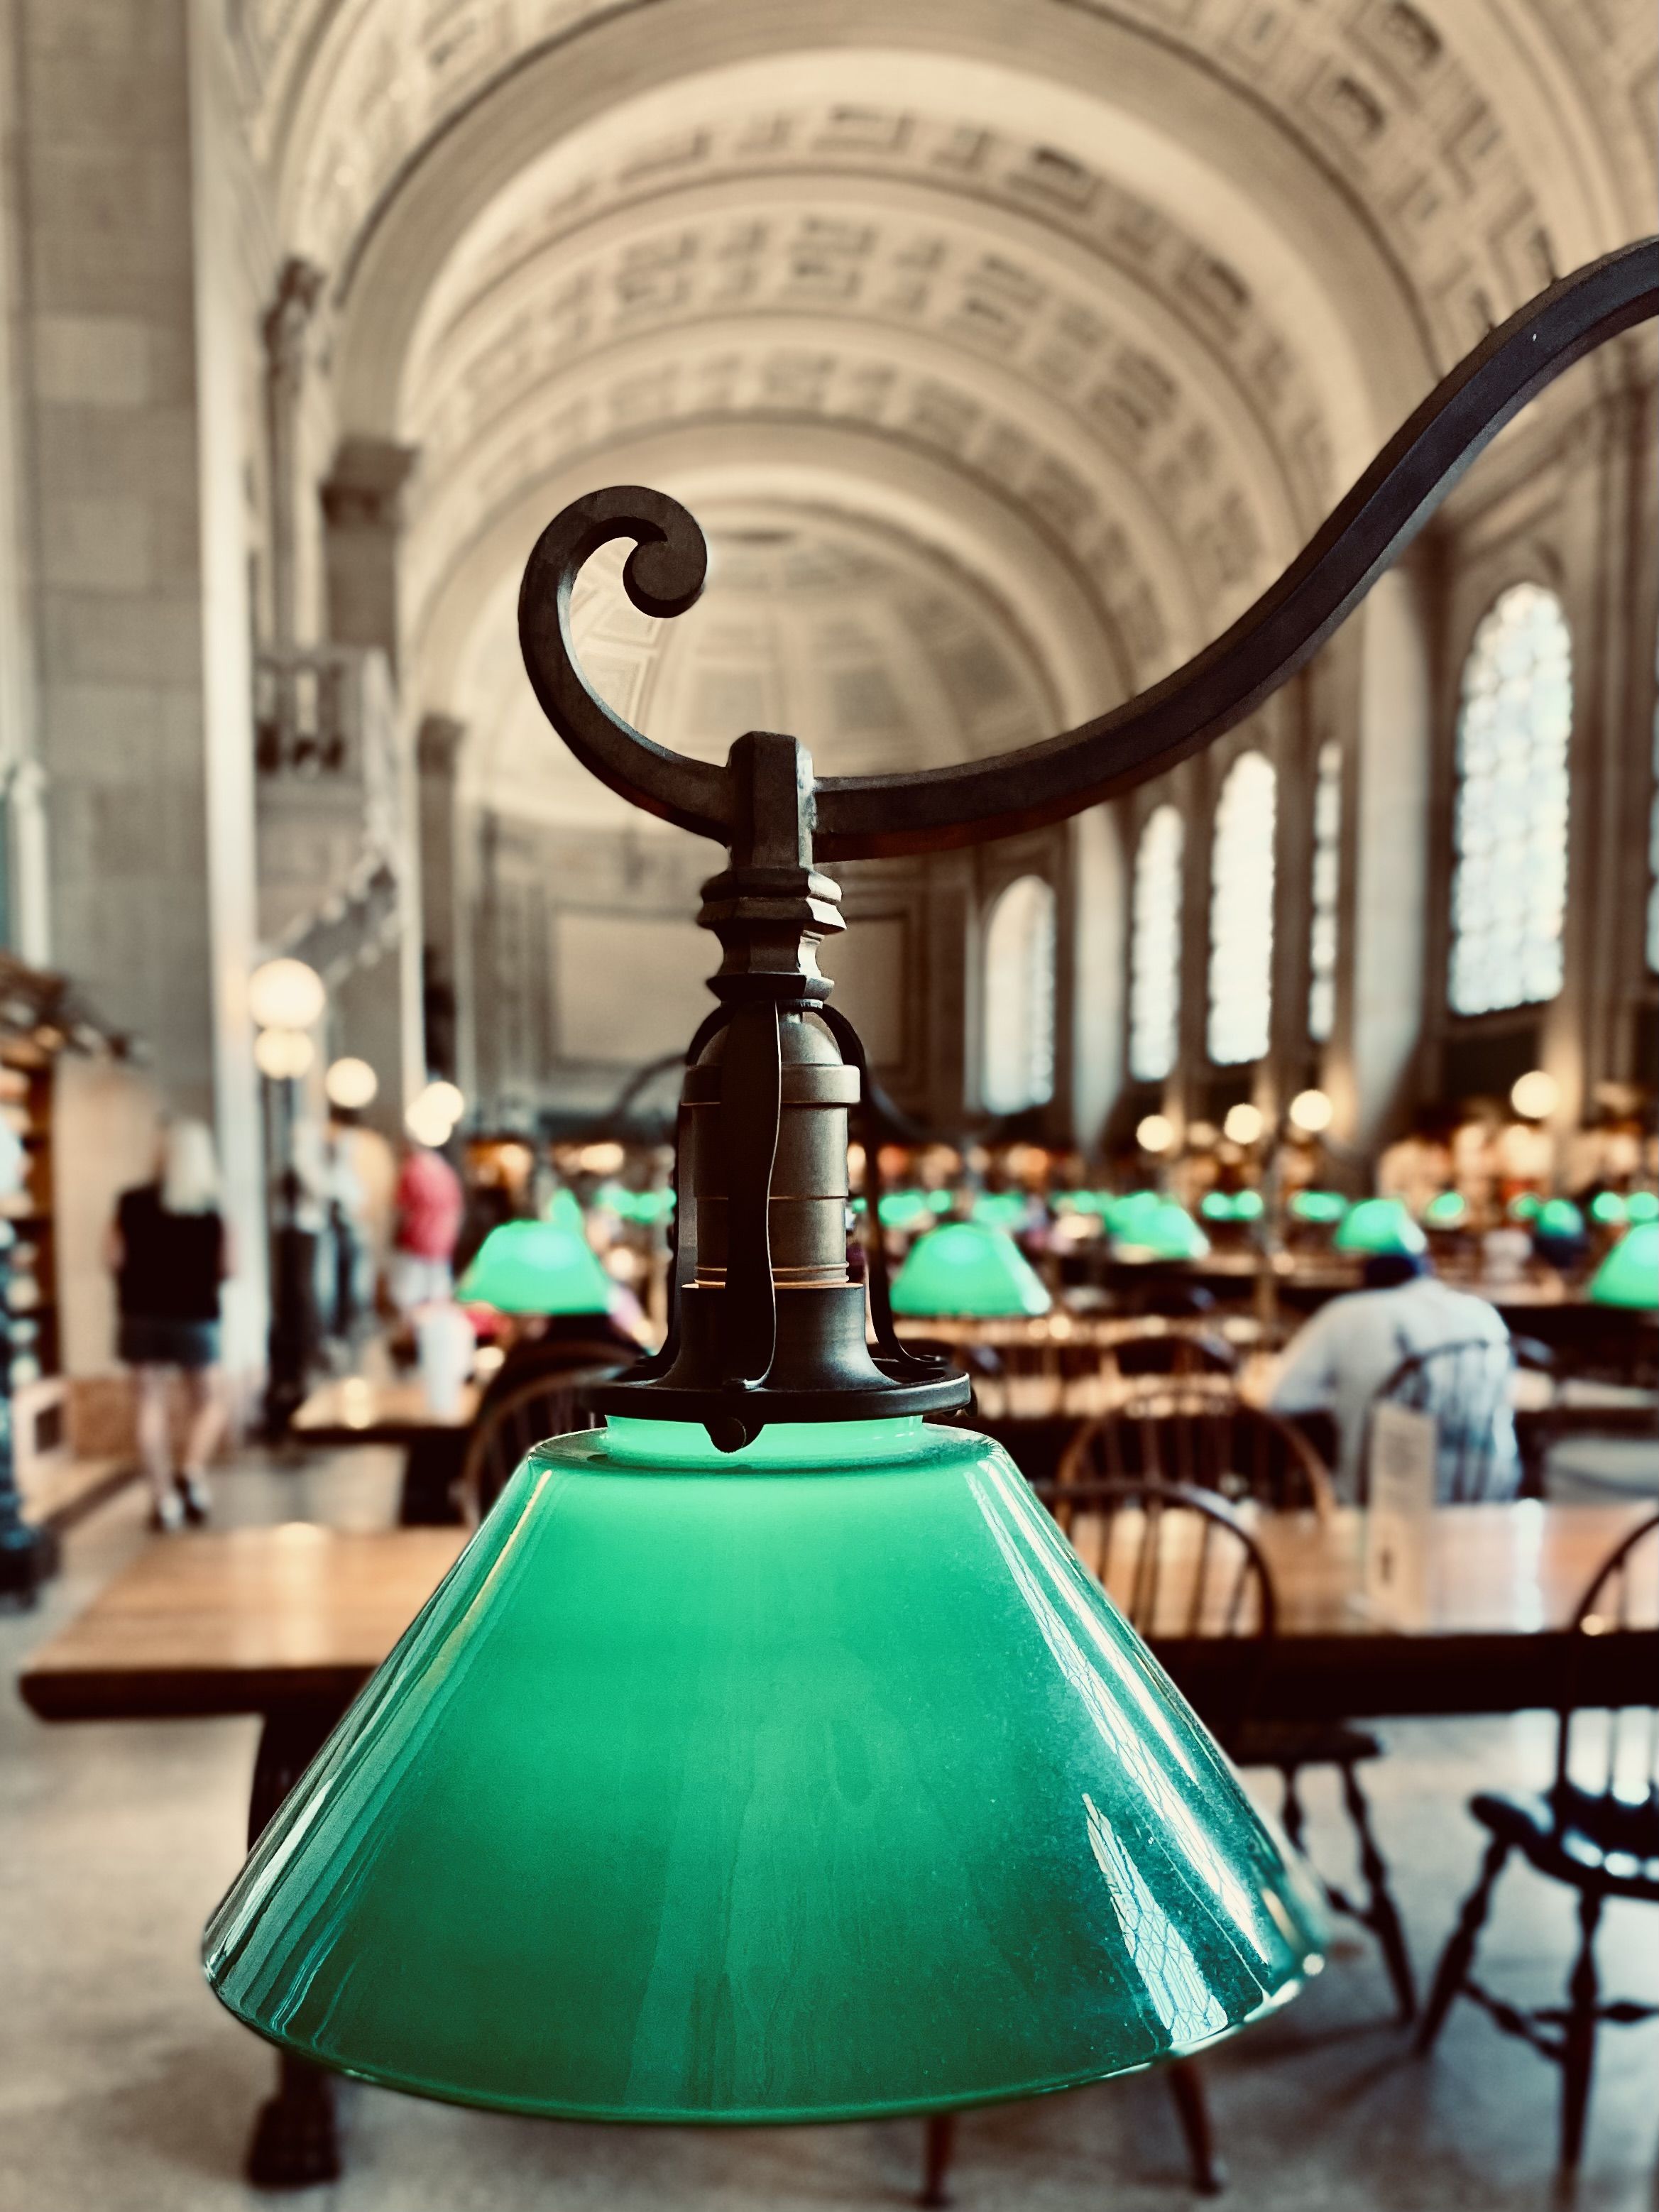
(288, 1622)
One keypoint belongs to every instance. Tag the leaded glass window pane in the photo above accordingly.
(1019, 998)
(1327, 887)
(1242, 912)
(1509, 868)
(1155, 947)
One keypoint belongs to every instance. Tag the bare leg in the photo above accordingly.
(207, 1419)
(154, 1448)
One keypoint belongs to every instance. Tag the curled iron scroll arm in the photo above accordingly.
(664, 575)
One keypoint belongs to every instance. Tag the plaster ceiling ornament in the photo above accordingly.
(1063, 384)
(1485, 137)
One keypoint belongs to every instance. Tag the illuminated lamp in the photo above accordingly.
(536, 1267)
(1321, 1207)
(1377, 1226)
(963, 1268)
(1629, 1276)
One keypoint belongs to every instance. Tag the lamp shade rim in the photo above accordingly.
(1106, 2070)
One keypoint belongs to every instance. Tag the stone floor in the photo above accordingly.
(124, 2088)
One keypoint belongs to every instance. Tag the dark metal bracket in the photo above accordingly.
(854, 817)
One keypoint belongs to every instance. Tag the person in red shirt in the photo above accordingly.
(427, 1204)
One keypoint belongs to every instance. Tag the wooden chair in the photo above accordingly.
(1465, 1387)
(1173, 1351)
(1176, 1561)
(1244, 1453)
(1201, 1436)
(1596, 1830)
(514, 1419)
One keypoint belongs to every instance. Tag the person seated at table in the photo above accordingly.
(1342, 1357)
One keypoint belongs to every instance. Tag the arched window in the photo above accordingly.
(1326, 887)
(1155, 947)
(1510, 836)
(1019, 998)
(1242, 912)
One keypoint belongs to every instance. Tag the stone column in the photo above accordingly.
(381, 1006)
(135, 320)
(445, 993)
(286, 323)
(362, 508)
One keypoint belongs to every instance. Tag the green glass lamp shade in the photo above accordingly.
(1525, 1207)
(818, 1782)
(1164, 1231)
(536, 1267)
(1642, 1205)
(1559, 1218)
(1447, 1209)
(905, 1209)
(1609, 1210)
(1320, 1207)
(1629, 1276)
(963, 1268)
(1096, 1202)
(1131, 1207)
(566, 1210)
(644, 1206)
(1002, 1209)
(1231, 1206)
(1378, 1225)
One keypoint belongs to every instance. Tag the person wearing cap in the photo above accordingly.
(1341, 1357)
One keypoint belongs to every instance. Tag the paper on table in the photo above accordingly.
(1403, 1467)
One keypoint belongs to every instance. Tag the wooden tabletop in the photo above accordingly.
(243, 1620)
(354, 1411)
(260, 1619)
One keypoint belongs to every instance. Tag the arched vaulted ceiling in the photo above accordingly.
(1094, 304)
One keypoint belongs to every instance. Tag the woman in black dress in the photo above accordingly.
(170, 1254)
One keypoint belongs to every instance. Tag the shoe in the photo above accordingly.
(193, 1499)
(167, 1516)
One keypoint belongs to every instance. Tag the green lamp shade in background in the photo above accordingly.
(1002, 1209)
(1162, 1231)
(1642, 1205)
(1525, 1205)
(536, 1267)
(1379, 1225)
(1321, 1206)
(817, 1782)
(905, 1209)
(566, 1211)
(1231, 1206)
(963, 1268)
(1130, 1207)
(1559, 1218)
(1447, 1209)
(1609, 1210)
(1629, 1276)
(644, 1206)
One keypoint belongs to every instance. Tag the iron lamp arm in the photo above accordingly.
(856, 818)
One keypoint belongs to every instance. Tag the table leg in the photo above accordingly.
(295, 2142)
